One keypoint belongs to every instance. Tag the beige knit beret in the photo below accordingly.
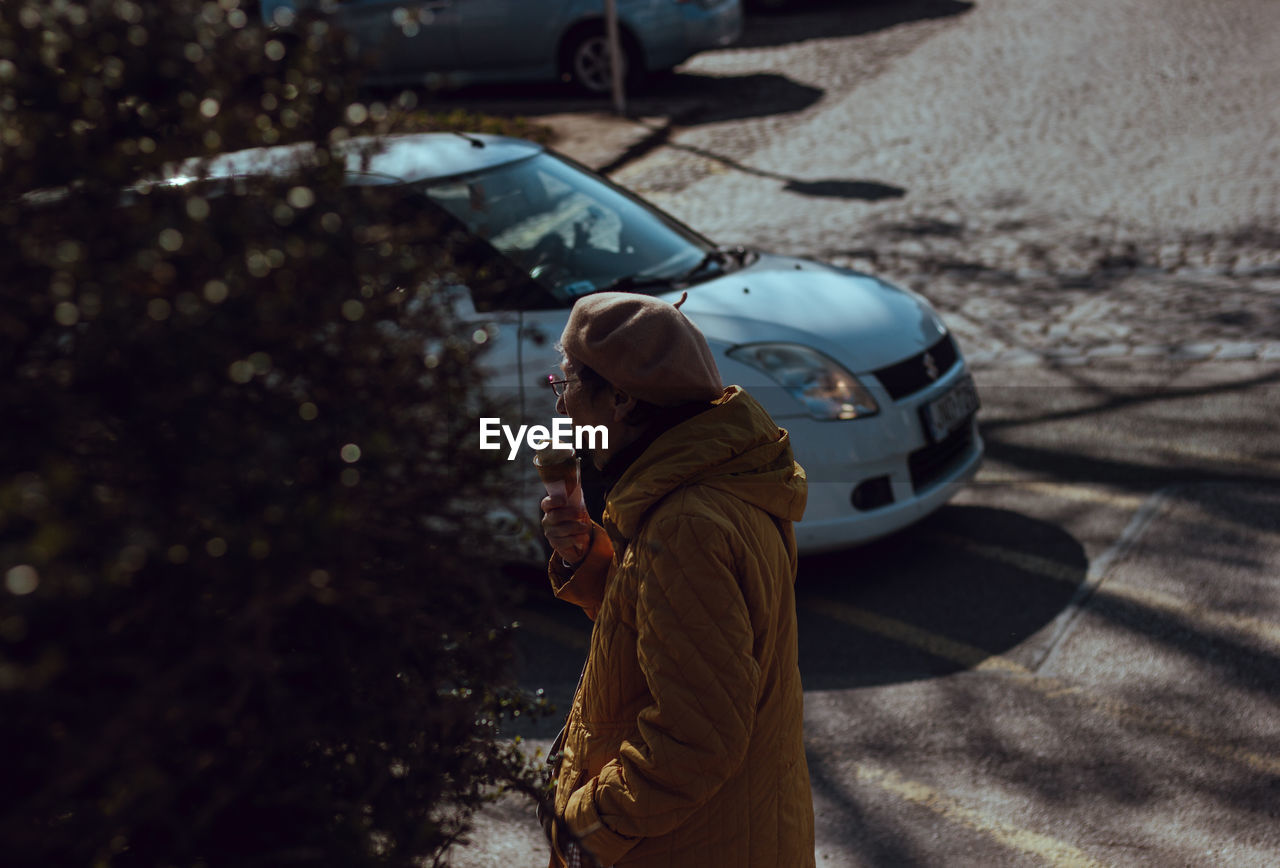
(644, 346)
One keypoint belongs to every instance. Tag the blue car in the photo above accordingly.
(448, 43)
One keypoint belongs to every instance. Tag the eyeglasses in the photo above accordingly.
(558, 386)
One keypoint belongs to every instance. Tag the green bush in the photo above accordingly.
(247, 615)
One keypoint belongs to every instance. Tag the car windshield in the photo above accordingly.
(573, 233)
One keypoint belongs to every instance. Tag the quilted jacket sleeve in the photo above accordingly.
(695, 643)
(584, 585)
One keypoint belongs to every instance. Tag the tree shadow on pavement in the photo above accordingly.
(1141, 435)
(927, 602)
(1159, 680)
(848, 825)
(824, 19)
(1195, 449)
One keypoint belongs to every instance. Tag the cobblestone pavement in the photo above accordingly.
(1065, 188)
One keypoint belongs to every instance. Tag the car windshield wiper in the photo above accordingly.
(637, 281)
(716, 255)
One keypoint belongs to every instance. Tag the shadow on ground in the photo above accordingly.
(825, 188)
(855, 607)
(689, 98)
(729, 97)
(926, 602)
(798, 20)
(867, 191)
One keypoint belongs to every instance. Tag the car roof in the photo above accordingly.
(406, 157)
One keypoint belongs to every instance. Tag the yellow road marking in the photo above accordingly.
(1051, 850)
(1255, 627)
(971, 657)
(909, 634)
(1047, 568)
(1081, 493)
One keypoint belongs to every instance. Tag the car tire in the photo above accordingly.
(584, 61)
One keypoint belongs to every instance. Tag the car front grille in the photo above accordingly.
(908, 377)
(932, 462)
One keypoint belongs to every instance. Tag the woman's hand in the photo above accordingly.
(567, 527)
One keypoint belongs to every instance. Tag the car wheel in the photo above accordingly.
(586, 62)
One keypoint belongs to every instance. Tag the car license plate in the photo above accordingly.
(943, 415)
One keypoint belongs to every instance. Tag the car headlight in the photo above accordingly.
(825, 388)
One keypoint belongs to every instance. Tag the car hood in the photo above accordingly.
(856, 319)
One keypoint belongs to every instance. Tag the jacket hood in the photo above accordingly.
(735, 447)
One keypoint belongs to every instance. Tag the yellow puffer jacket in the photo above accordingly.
(684, 745)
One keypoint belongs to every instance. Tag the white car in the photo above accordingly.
(863, 374)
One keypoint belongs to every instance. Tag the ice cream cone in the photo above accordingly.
(558, 470)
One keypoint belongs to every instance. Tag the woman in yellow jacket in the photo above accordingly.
(684, 745)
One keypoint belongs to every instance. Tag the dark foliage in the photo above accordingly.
(246, 616)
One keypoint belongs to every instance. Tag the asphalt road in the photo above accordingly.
(1077, 662)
